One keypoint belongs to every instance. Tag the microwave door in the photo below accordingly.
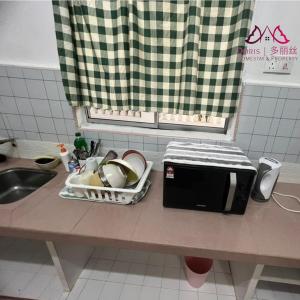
(203, 188)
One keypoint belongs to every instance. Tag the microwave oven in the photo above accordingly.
(207, 177)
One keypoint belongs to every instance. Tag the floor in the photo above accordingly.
(26, 271)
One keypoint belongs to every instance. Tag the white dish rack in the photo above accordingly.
(111, 195)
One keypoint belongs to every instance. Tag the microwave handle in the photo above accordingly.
(231, 192)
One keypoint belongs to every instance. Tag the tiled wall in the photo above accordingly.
(33, 107)
(269, 122)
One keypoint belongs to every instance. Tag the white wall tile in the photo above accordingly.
(279, 108)
(36, 89)
(60, 126)
(3, 71)
(24, 106)
(262, 125)
(280, 144)
(56, 109)
(52, 90)
(5, 89)
(48, 74)
(249, 105)
(246, 124)
(253, 90)
(271, 91)
(14, 122)
(291, 109)
(294, 146)
(294, 93)
(49, 137)
(40, 108)
(18, 87)
(258, 143)
(32, 73)
(45, 125)
(8, 105)
(267, 107)
(29, 123)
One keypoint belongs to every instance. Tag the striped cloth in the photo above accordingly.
(207, 155)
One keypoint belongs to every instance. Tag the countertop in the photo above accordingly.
(265, 234)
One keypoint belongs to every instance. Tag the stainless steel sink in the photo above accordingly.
(17, 183)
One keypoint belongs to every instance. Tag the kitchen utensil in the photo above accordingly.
(76, 153)
(112, 176)
(92, 148)
(136, 160)
(46, 162)
(113, 195)
(132, 176)
(110, 155)
(96, 151)
(91, 164)
(268, 172)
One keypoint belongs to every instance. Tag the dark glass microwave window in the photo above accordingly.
(205, 188)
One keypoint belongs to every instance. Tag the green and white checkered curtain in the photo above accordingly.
(176, 57)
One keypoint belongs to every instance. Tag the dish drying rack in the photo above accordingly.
(111, 195)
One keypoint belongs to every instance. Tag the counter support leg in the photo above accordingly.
(69, 260)
(245, 277)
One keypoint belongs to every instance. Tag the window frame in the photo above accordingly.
(83, 124)
(158, 125)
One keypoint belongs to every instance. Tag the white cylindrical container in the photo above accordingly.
(65, 156)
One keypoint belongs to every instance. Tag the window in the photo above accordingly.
(157, 120)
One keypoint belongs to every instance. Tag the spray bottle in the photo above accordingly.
(65, 156)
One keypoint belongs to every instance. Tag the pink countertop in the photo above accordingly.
(265, 234)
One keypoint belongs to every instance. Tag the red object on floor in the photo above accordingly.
(196, 270)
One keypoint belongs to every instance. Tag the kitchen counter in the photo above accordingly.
(266, 234)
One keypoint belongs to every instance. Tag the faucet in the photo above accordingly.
(12, 140)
